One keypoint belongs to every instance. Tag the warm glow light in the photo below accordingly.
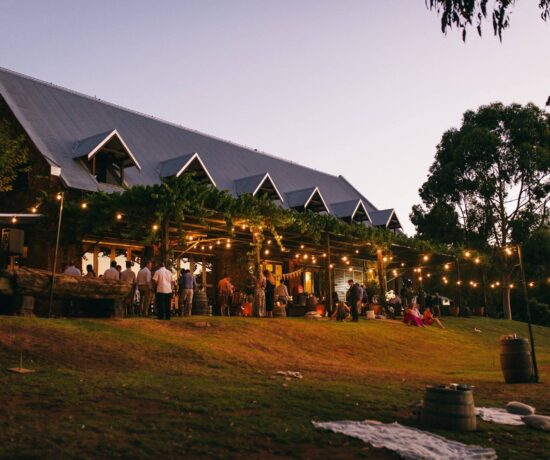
(268, 241)
(297, 256)
(203, 248)
(459, 282)
(508, 251)
(210, 246)
(324, 254)
(228, 240)
(301, 246)
(331, 265)
(498, 283)
(58, 197)
(228, 245)
(531, 284)
(243, 226)
(357, 251)
(155, 227)
(394, 273)
(34, 209)
(511, 286)
(446, 266)
(429, 275)
(305, 256)
(266, 252)
(445, 281)
(419, 278)
(385, 259)
(119, 216)
(218, 242)
(13, 220)
(344, 258)
(402, 264)
(347, 262)
(467, 254)
(425, 258)
(477, 260)
(84, 205)
(492, 285)
(371, 270)
(350, 269)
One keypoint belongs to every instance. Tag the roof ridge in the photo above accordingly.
(161, 120)
(361, 196)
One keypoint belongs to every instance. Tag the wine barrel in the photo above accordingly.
(279, 311)
(200, 304)
(449, 408)
(515, 360)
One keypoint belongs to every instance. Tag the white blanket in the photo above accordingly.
(409, 443)
(492, 414)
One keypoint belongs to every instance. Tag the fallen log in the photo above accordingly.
(37, 283)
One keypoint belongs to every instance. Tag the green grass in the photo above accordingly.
(142, 388)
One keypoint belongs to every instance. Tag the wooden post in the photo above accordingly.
(329, 276)
(381, 274)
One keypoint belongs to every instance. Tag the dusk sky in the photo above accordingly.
(359, 88)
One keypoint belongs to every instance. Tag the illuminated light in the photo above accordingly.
(415, 270)
(59, 196)
(477, 260)
(324, 254)
(296, 256)
(379, 251)
(531, 284)
(119, 216)
(228, 245)
(228, 240)
(419, 278)
(508, 251)
(218, 242)
(266, 252)
(331, 265)
(498, 283)
(344, 258)
(301, 246)
(445, 281)
(314, 261)
(13, 220)
(268, 241)
(190, 238)
(155, 227)
(243, 226)
(305, 256)
(391, 258)
(203, 248)
(492, 285)
(34, 209)
(467, 254)
(425, 258)
(347, 262)
(350, 269)
(402, 264)
(84, 205)
(210, 246)
(385, 259)
(394, 273)
(256, 233)
(357, 251)
(511, 286)
(429, 275)
(446, 267)
(459, 283)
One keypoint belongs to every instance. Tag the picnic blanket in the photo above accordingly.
(409, 443)
(495, 415)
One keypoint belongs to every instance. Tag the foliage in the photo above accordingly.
(464, 13)
(14, 152)
(490, 178)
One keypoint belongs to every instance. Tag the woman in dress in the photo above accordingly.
(259, 296)
(269, 293)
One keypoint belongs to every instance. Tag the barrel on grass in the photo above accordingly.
(200, 304)
(515, 360)
(279, 311)
(449, 408)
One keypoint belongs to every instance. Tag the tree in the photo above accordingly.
(490, 181)
(463, 14)
(14, 152)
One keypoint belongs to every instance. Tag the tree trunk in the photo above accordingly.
(506, 305)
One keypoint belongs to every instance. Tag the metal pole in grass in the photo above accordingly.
(528, 309)
(60, 197)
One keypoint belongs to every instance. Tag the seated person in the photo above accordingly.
(412, 317)
(341, 312)
(428, 318)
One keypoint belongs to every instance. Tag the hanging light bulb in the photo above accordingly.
(446, 266)
(467, 254)
(357, 251)
(477, 260)
(402, 264)
(83, 205)
(425, 258)
(210, 246)
(119, 216)
(34, 209)
(331, 265)
(301, 246)
(266, 252)
(13, 220)
(155, 227)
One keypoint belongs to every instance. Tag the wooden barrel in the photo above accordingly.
(449, 409)
(279, 311)
(515, 360)
(200, 304)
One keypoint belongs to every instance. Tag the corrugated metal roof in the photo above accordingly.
(56, 119)
(382, 217)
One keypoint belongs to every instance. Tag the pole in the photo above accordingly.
(329, 277)
(62, 194)
(528, 309)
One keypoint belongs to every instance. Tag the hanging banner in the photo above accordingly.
(291, 275)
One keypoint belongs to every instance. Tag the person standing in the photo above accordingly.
(111, 273)
(281, 293)
(144, 288)
(354, 298)
(71, 269)
(269, 293)
(90, 273)
(258, 306)
(225, 291)
(163, 290)
(128, 276)
(186, 288)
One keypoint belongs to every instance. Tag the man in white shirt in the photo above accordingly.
(111, 273)
(144, 288)
(72, 270)
(128, 276)
(163, 283)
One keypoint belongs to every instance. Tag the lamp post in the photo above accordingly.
(528, 309)
(60, 197)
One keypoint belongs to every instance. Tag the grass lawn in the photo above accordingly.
(141, 388)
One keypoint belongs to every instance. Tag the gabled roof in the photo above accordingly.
(385, 218)
(349, 209)
(56, 119)
(253, 184)
(90, 146)
(302, 199)
(178, 165)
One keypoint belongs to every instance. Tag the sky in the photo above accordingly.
(361, 88)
